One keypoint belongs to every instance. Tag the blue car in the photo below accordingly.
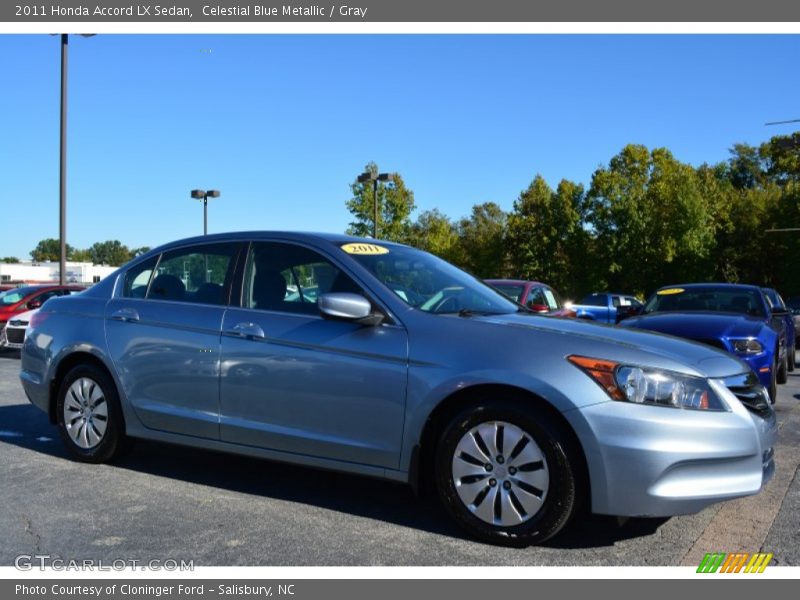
(733, 317)
(605, 307)
(776, 302)
(379, 359)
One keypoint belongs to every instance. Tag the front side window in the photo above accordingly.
(198, 274)
(536, 297)
(288, 278)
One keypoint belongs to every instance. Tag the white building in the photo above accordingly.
(46, 272)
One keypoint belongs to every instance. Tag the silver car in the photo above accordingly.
(375, 358)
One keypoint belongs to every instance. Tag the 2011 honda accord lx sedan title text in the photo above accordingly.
(375, 358)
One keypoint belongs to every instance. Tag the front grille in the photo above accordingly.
(15, 336)
(751, 394)
(713, 342)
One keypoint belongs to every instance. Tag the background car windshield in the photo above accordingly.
(10, 297)
(512, 292)
(733, 300)
(431, 284)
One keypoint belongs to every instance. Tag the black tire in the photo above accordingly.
(790, 353)
(563, 464)
(113, 441)
(773, 381)
(783, 370)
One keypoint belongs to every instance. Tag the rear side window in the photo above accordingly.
(199, 274)
(138, 278)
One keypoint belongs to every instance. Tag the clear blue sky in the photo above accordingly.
(282, 124)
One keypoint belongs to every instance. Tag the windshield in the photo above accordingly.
(733, 300)
(10, 297)
(428, 283)
(511, 291)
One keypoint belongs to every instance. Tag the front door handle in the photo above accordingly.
(251, 331)
(125, 314)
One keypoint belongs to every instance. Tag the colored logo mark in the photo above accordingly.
(720, 562)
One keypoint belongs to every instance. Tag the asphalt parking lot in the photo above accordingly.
(163, 502)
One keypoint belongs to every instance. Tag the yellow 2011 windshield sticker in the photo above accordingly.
(670, 291)
(364, 249)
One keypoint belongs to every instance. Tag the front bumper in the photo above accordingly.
(655, 461)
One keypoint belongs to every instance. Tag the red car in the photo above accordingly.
(537, 296)
(29, 297)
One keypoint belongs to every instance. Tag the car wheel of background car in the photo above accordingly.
(790, 355)
(507, 473)
(89, 415)
(783, 370)
(773, 381)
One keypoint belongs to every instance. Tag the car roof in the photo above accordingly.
(732, 286)
(240, 236)
(513, 282)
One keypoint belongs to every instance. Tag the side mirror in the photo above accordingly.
(348, 307)
(539, 308)
(33, 304)
(779, 312)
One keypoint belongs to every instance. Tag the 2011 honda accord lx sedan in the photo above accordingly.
(376, 358)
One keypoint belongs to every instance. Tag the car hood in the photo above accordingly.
(24, 316)
(698, 325)
(624, 344)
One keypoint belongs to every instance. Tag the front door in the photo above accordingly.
(295, 382)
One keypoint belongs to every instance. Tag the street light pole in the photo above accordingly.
(62, 185)
(375, 178)
(62, 179)
(204, 195)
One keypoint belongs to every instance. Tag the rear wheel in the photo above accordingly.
(89, 415)
(790, 353)
(507, 473)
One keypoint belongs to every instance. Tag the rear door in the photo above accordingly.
(163, 333)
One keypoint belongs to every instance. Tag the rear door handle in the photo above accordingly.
(125, 314)
(251, 331)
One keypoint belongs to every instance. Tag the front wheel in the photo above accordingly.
(507, 473)
(89, 415)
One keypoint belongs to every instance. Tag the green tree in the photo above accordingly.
(434, 232)
(395, 204)
(9, 259)
(111, 252)
(49, 250)
(81, 255)
(482, 249)
(651, 220)
(542, 229)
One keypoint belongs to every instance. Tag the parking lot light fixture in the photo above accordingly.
(375, 178)
(204, 195)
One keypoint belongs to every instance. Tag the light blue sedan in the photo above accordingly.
(375, 358)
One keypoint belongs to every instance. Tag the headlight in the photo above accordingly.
(644, 385)
(748, 346)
